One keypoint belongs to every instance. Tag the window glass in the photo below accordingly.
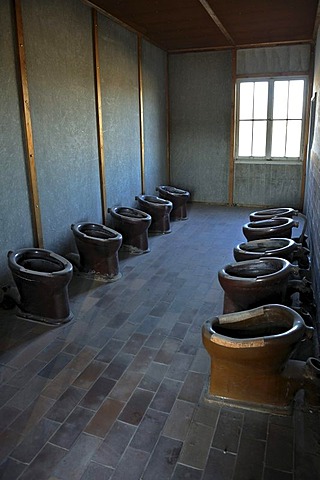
(280, 100)
(295, 102)
(293, 138)
(278, 146)
(246, 100)
(259, 138)
(245, 138)
(260, 110)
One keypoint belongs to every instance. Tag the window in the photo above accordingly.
(270, 118)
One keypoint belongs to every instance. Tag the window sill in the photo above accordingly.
(257, 161)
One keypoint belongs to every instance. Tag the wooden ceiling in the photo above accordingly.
(187, 25)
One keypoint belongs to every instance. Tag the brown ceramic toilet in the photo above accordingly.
(279, 227)
(42, 278)
(159, 209)
(98, 248)
(178, 198)
(255, 282)
(268, 247)
(272, 213)
(250, 364)
(133, 224)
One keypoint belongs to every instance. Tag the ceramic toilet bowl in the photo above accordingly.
(42, 278)
(252, 283)
(279, 227)
(249, 351)
(273, 212)
(268, 247)
(98, 248)
(178, 198)
(133, 225)
(159, 209)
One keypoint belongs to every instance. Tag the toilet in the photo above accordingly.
(133, 224)
(252, 283)
(178, 198)
(42, 278)
(159, 209)
(249, 354)
(98, 248)
(268, 247)
(279, 227)
(273, 212)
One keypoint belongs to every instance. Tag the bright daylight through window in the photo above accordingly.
(270, 118)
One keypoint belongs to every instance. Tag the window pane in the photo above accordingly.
(260, 100)
(280, 100)
(293, 138)
(259, 138)
(295, 99)
(278, 138)
(245, 139)
(246, 100)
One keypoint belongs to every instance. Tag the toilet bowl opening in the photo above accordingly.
(130, 213)
(41, 265)
(175, 190)
(262, 246)
(275, 222)
(97, 233)
(262, 329)
(253, 270)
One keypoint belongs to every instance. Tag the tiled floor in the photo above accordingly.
(119, 392)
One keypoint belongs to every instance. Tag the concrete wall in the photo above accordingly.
(312, 193)
(267, 183)
(60, 69)
(200, 119)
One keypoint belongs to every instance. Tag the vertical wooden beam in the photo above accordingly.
(30, 161)
(140, 81)
(97, 77)
(232, 129)
(168, 173)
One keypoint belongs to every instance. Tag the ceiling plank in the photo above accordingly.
(216, 20)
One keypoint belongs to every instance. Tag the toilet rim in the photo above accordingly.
(287, 243)
(178, 192)
(154, 200)
(281, 272)
(293, 333)
(143, 216)
(75, 227)
(270, 224)
(275, 212)
(39, 253)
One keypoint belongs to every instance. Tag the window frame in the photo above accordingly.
(267, 158)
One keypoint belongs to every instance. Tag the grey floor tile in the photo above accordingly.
(44, 462)
(136, 407)
(62, 408)
(279, 452)
(228, 431)
(8, 442)
(104, 418)
(7, 416)
(197, 445)
(271, 474)
(250, 459)
(178, 422)
(131, 465)
(69, 431)
(163, 459)
(56, 365)
(149, 430)
(219, 466)
(10, 469)
(166, 395)
(153, 376)
(24, 375)
(125, 386)
(94, 471)
(97, 393)
(192, 387)
(89, 375)
(111, 449)
(179, 366)
(183, 472)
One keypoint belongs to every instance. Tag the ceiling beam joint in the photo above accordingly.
(216, 20)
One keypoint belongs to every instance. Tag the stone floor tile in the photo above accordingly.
(167, 351)
(307, 466)
(6, 393)
(72, 465)
(163, 459)
(228, 430)
(62, 408)
(250, 459)
(94, 471)
(69, 431)
(153, 376)
(136, 406)
(207, 414)
(148, 325)
(178, 422)
(166, 395)
(149, 430)
(24, 375)
(113, 446)
(8, 442)
(60, 383)
(83, 358)
(143, 359)
(24, 397)
(192, 387)
(179, 366)
(279, 452)
(255, 425)
(131, 465)
(97, 393)
(271, 474)
(197, 445)
(125, 386)
(56, 365)
(109, 351)
(220, 465)
(104, 418)
(44, 463)
(29, 417)
(89, 375)
(10, 469)
(183, 472)
(7, 416)
(118, 365)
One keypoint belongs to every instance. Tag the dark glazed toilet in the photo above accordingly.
(279, 227)
(178, 198)
(42, 278)
(250, 364)
(98, 248)
(268, 247)
(159, 209)
(253, 283)
(133, 225)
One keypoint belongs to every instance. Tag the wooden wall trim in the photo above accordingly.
(232, 129)
(140, 80)
(97, 79)
(168, 172)
(30, 160)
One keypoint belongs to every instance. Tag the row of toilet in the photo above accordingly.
(252, 342)
(42, 276)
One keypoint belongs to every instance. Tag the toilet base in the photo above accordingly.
(98, 277)
(179, 213)
(136, 245)
(133, 250)
(209, 399)
(41, 319)
(160, 227)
